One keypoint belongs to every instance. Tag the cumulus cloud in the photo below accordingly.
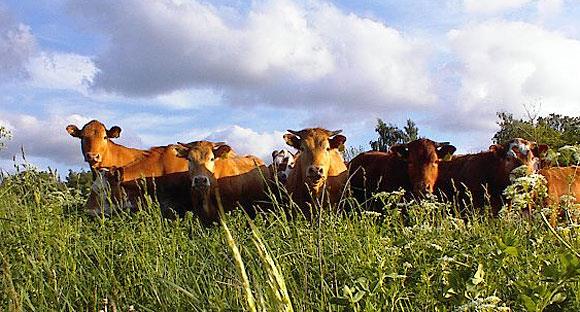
(506, 66)
(17, 44)
(22, 60)
(61, 71)
(47, 137)
(279, 53)
(247, 141)
(492, 6)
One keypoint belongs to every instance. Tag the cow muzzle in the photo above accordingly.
(315, 175)
(282, 177)
(93, 158)
(422, 189)
(200, 182)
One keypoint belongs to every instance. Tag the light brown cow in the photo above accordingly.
(242, 180)
(562, 181)
(320, 167)
(165, 176)
(98, 149)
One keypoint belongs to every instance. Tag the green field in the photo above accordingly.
(54, 258)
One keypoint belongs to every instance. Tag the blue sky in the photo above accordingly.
(245, 71)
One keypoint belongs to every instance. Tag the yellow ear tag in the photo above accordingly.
(341, 148)
(447, 157)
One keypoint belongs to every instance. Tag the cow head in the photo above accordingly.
(518, 152)
(423, 157)
(283, 162)
(94, 140)
(201, 157)
(315, 146)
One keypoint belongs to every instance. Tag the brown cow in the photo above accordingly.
(320, 166)
(486, 174)
(562, 181)
(165, 176)
(98, 149)
(242, 180)
(413, 166)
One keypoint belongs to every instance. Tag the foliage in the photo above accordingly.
(81, 181)
(55, 258)
(565, 156)
(390, 135)
(555, 130)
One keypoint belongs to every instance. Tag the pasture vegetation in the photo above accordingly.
(54, 257)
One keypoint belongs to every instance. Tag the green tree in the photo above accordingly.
(390, 134)
(555, 130)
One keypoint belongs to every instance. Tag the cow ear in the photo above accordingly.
(540, 149)
(73, 131)
(274, 154)
(181, 151)
(114, 132)
(498, 150)
(401, 150)
(221, 151)
(292, 140)
(445, 151)
(337, 141)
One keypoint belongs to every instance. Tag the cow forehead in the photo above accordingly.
(423, 149)
(200, 151)
(94, 128)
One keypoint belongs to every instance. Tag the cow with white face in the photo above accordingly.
(527, 152)
(283, 161)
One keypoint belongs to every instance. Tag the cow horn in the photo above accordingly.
(442, 143)
(188, 145)
(333, 133)
(296, 133)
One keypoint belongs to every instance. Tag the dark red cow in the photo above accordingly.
(413, 166)
(478, 179)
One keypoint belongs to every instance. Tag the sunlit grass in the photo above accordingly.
(54, 257)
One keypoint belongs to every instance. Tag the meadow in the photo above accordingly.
(53, 257)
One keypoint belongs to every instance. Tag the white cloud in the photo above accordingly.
(504, 66)
(247, 141)
(61, 71)
(190, 98)
(17, 44)
(492, 6)
(279, 53)
(548, 8)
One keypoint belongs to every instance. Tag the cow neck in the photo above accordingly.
(337, 165)
(203, 202)
(119, 155)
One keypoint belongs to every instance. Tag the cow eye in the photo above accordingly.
(212, 159)
(328, 149)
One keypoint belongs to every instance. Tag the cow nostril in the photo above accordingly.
(200, 181)
(315, 171)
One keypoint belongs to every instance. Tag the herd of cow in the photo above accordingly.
(186, 176)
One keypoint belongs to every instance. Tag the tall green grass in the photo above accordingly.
(55, 258)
